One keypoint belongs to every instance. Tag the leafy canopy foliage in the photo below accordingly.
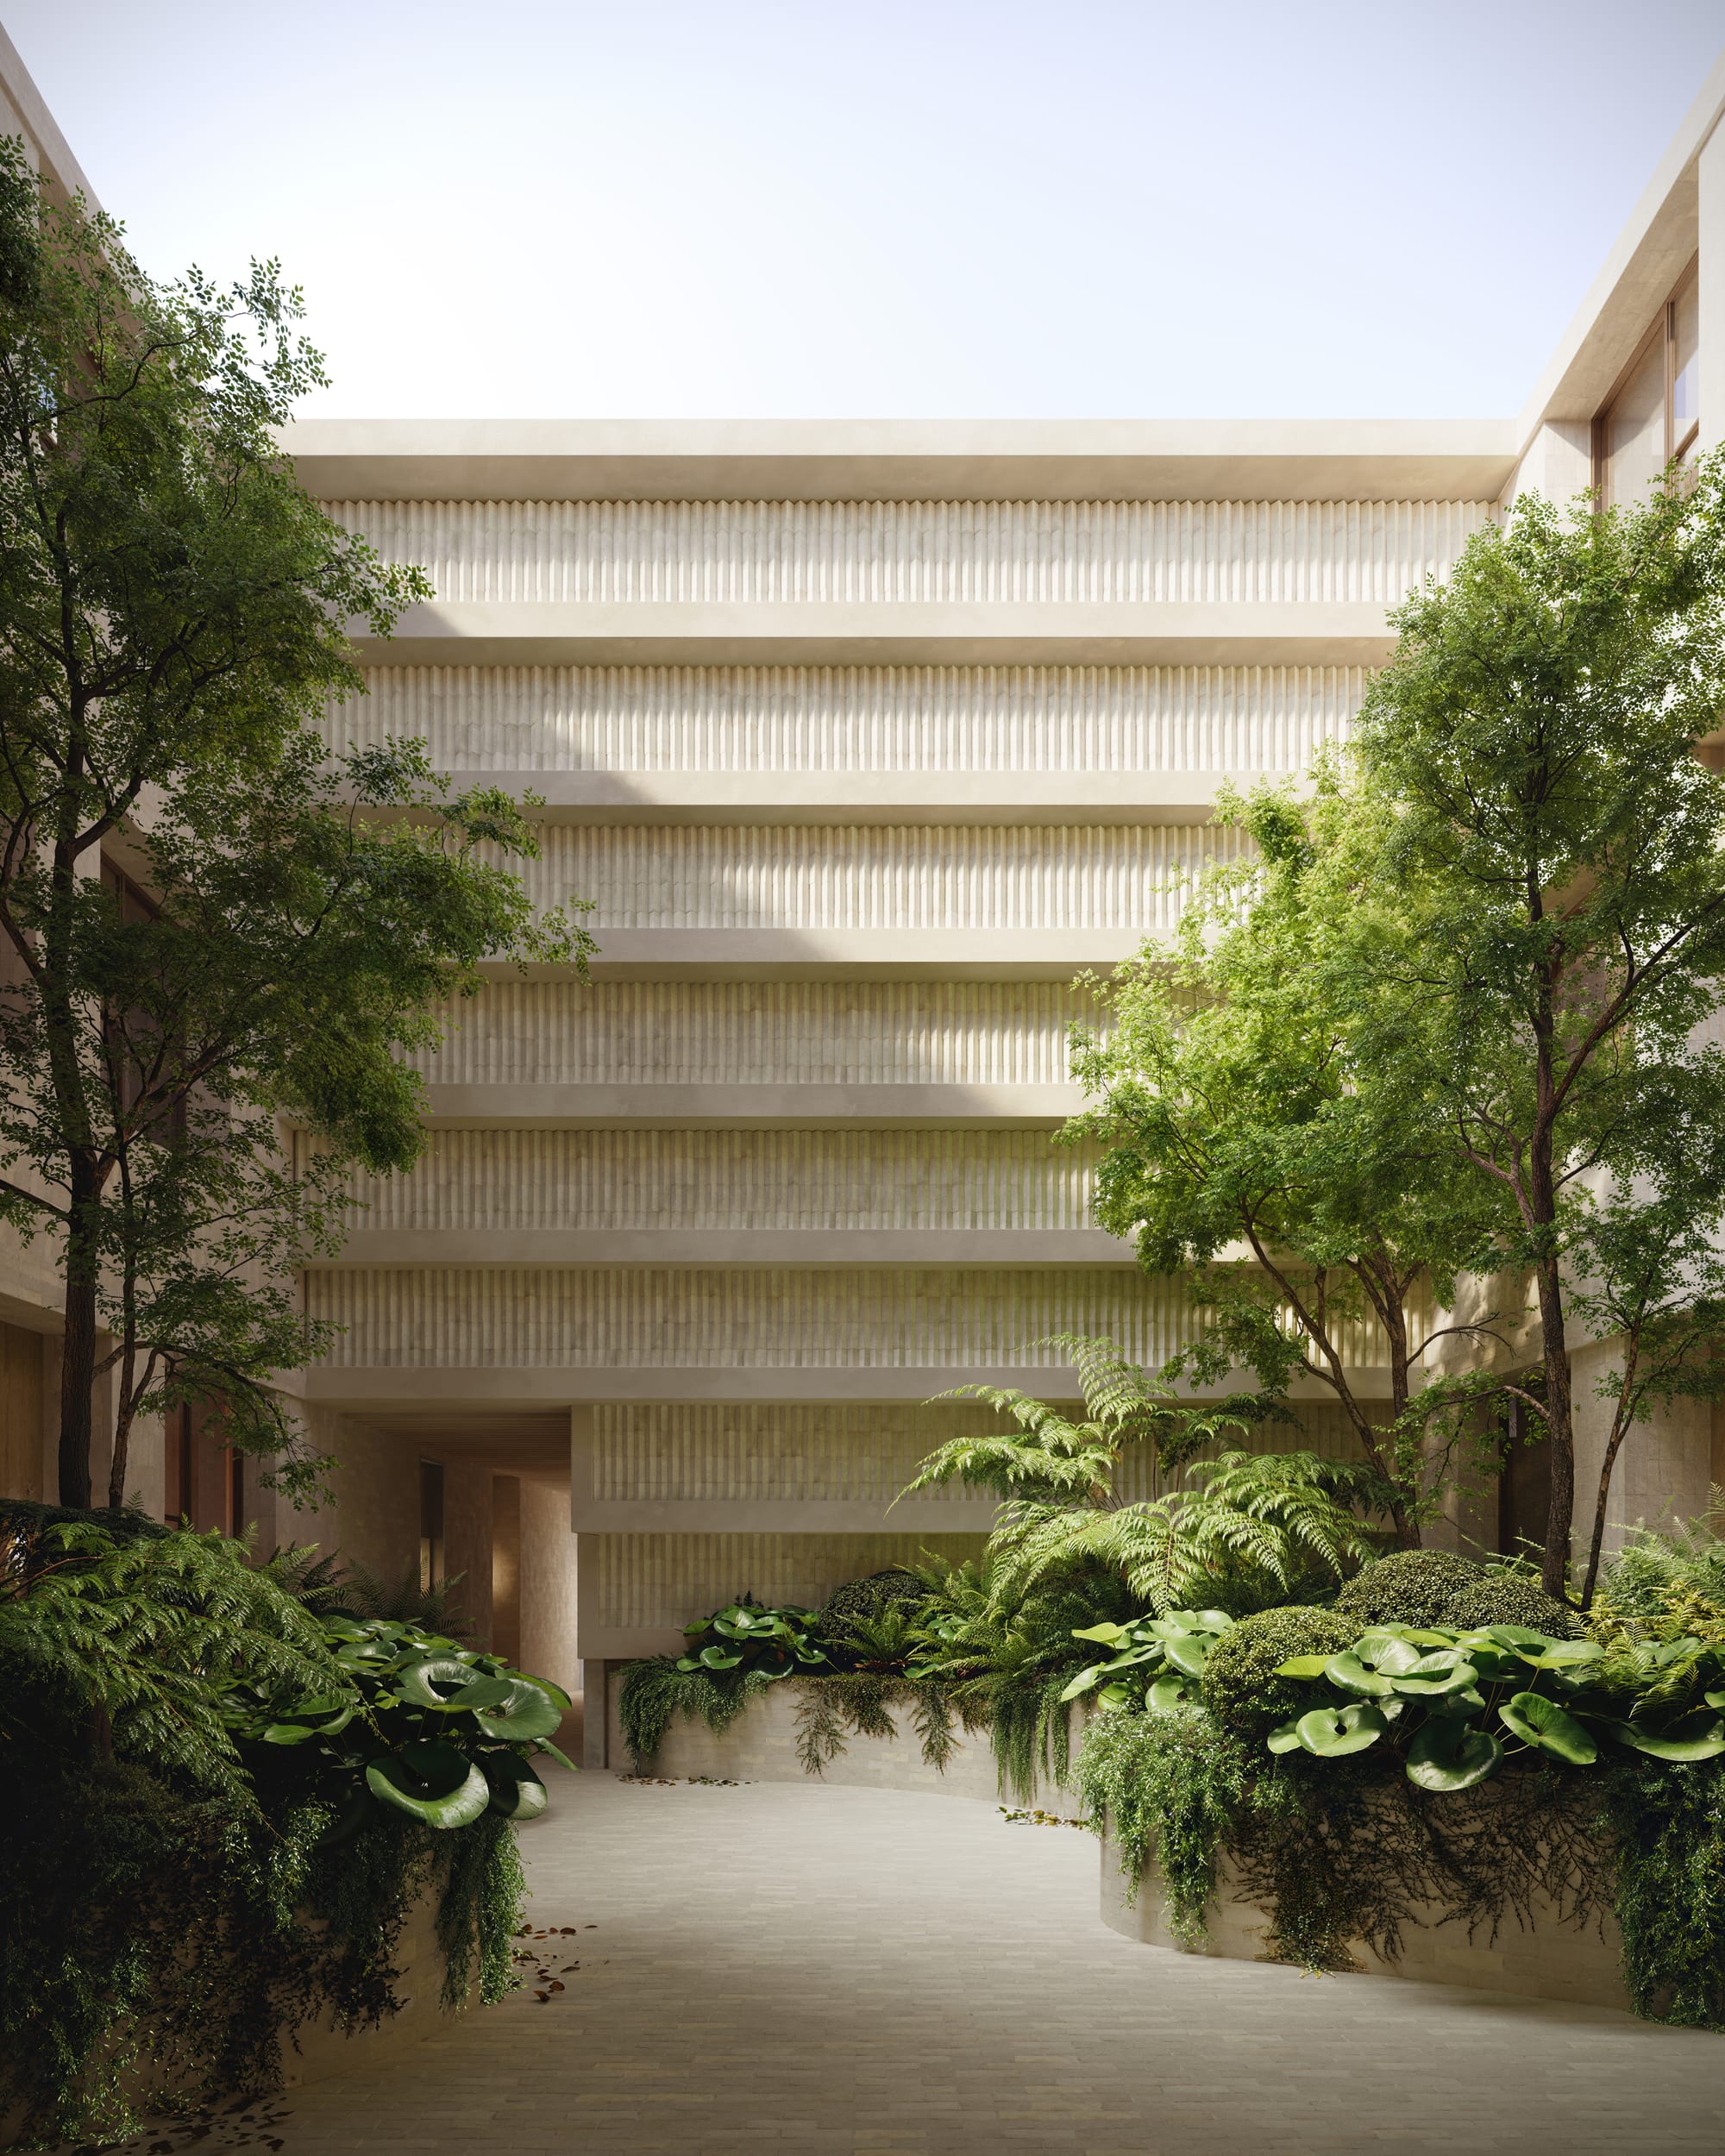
(1547, 931)
(1246, 1150)
(173, 610)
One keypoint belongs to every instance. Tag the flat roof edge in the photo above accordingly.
(887, 460)
(1645, 261)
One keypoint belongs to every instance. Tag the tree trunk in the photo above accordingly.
(1560, 1422)
(77, 1386)
(123, 1430)
(1597, 1544)
(78, 1342)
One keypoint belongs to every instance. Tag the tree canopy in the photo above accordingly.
(173, 617)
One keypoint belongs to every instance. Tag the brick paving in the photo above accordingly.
(861, 1973)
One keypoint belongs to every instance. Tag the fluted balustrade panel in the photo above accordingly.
(725, 1453)
(894, 877)
(474, 1181)
(898, 553)
(730, 1454)
(636, 1580)
(857, 718)
(749, 1317)
(751, 1033)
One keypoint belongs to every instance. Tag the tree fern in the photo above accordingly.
(1244, 1528)
(1248, 1528)
(1055, 1460)
(145, 1631)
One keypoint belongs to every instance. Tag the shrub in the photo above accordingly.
(1507, 1598)
(1436, 1587)
(1241, 1687)
(1410, 1587)
(868, 1598)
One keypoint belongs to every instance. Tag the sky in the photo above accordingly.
(889, 208)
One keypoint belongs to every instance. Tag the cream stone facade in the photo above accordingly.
(863, 739)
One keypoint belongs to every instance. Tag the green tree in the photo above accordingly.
(1550, 932)
(1311, 1212)
(172, 615)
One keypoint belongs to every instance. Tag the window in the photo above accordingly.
(1652, 415)
(430, 1524)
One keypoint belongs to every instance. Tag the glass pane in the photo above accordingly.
(1685, 411)
(1636, 430)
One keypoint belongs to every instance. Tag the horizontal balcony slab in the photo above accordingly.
(709, 1107)
(834, 953)
(866, 797)
(784, 1515)
(451, 1388)
(905, 460)
(994, 1248)
(449, 632)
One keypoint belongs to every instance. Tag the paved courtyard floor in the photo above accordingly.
(855, 1972)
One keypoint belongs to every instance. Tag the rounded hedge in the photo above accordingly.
(1240, 1687)
(1410, 1587)
(868, 1597)
(1504, 1598)
(1435, 1587)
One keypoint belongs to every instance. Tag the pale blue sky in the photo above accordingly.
(897, 207)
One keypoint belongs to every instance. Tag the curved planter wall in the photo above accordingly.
(1553, 1960)
(761, 1745)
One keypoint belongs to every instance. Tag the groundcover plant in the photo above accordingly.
(221, 1806)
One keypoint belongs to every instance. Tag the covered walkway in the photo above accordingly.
(804, 1968)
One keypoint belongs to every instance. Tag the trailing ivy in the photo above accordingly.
(655, 1690)
(1667, 1831)
(1170, 1787)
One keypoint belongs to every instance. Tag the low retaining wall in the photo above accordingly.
(761, 1745)
(1552, 1961)
(324, 2049)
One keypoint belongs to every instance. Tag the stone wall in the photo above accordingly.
(1552, 1961)
(761, 1745)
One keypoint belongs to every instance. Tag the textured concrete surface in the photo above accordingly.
(872, 1973)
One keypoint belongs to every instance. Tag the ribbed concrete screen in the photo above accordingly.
(784, 1169)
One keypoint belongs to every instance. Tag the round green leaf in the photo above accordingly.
(1302, 1666)
(530, 1711)
(1695, 1737)
(431, 1782)
(516, 1789)
(717, 1659)
(483, 1691)
(1565, 1654)
(1437, 1676)
(1188, 1653)
(1538, 1720)
(1285, 1737)
(1448, 1753)
(557, 1691)
(1349, 1674)
(420, 1680)
(1388, 1654)
(1170, 1692)
(1332, 1733)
